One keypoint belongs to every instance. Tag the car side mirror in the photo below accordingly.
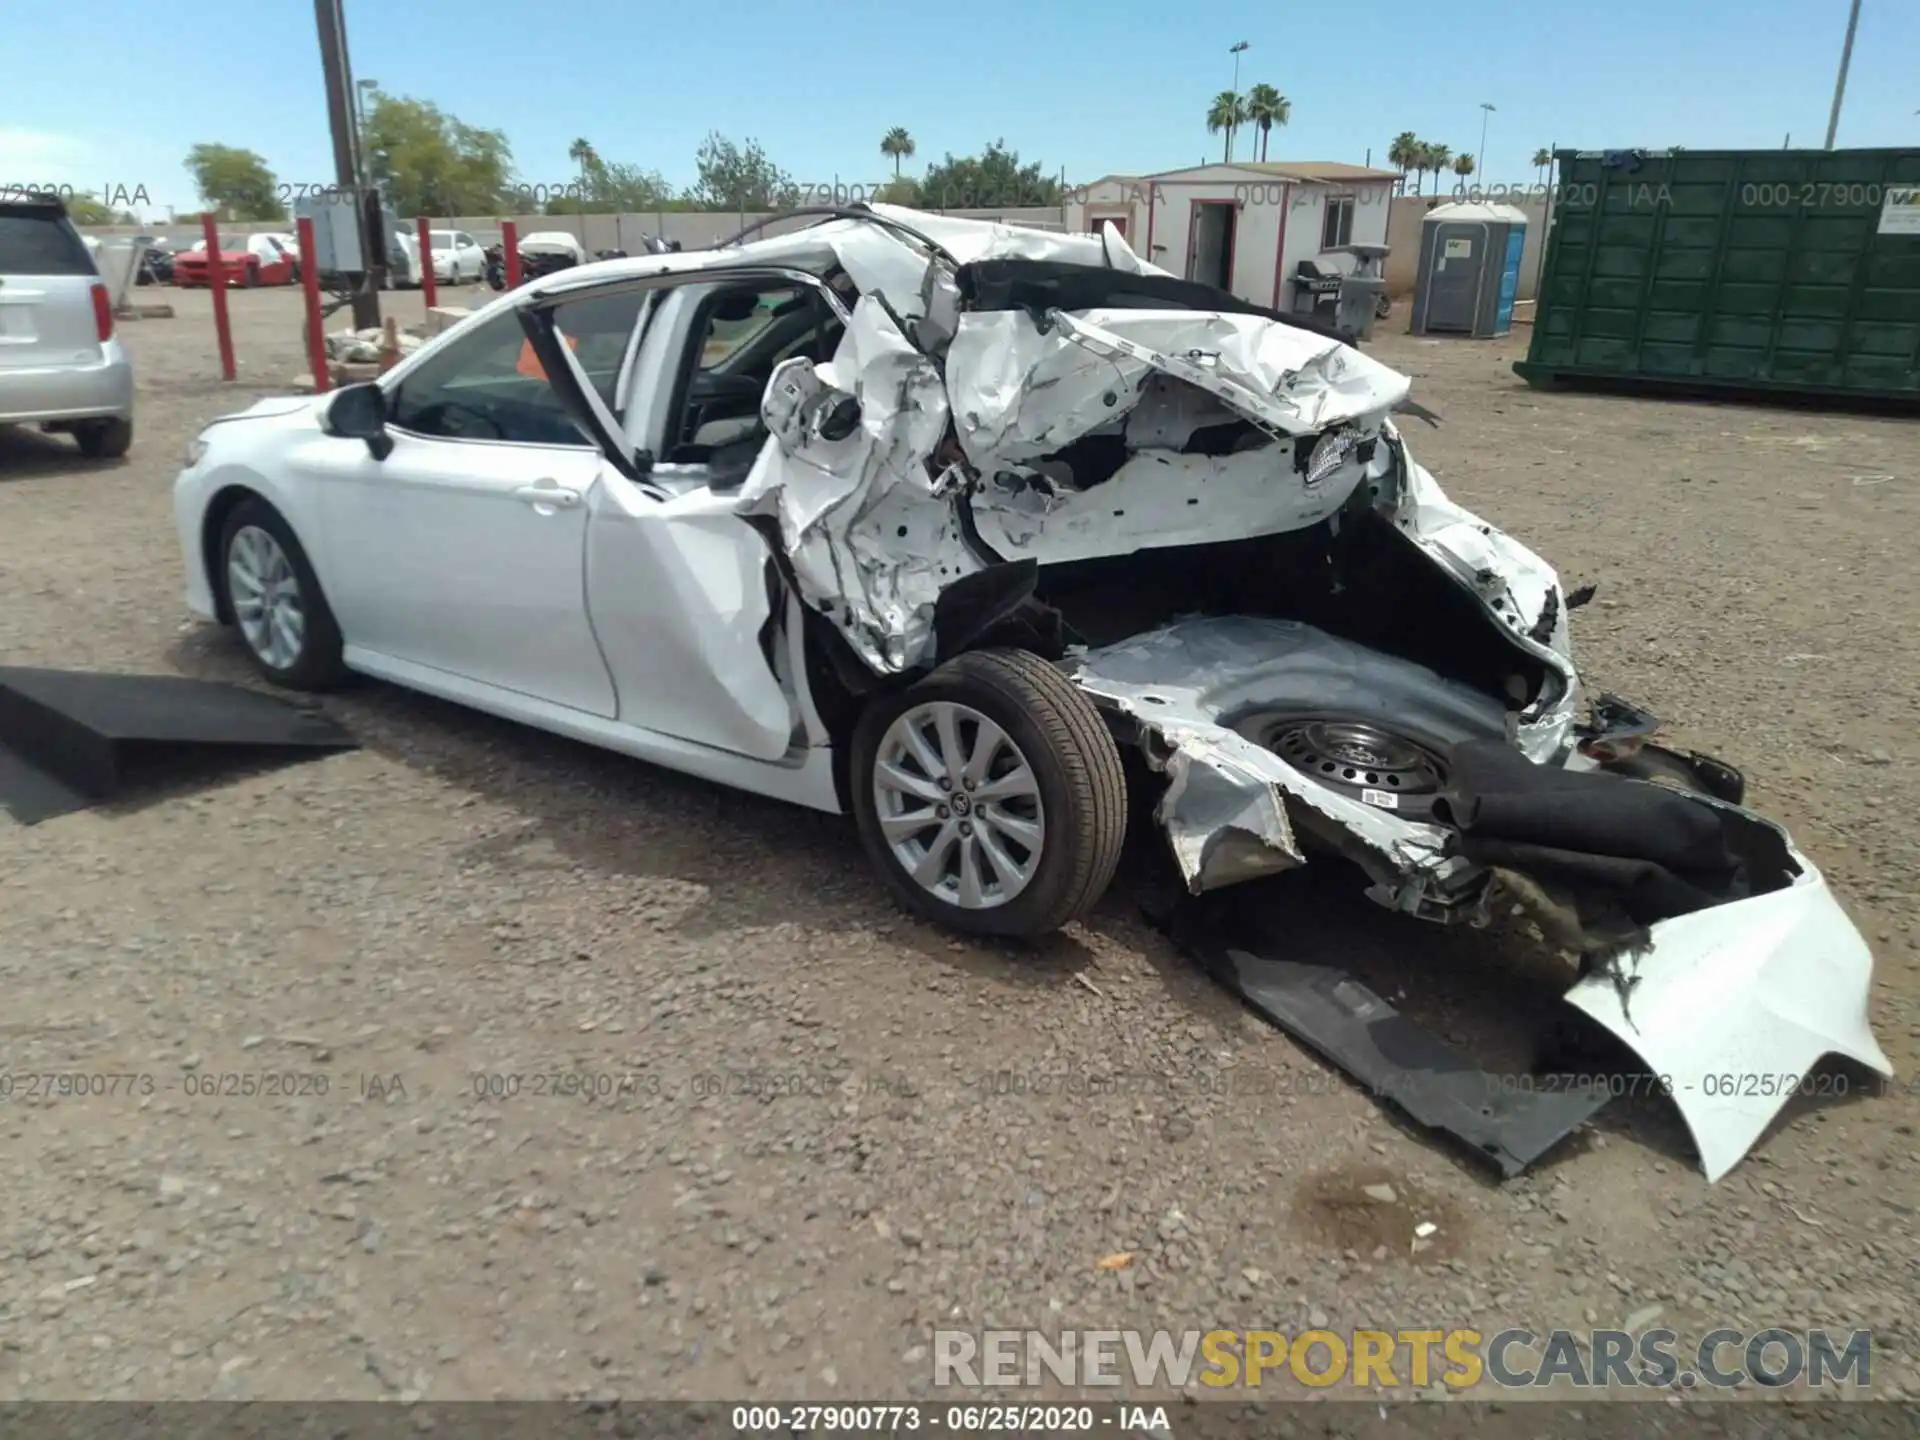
(359, 412)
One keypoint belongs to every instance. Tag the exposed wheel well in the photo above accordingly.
(211, 526)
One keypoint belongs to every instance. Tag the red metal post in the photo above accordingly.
(217, 281)
(510, 242)
(1280, 243)
(310, 283)
(428, 285)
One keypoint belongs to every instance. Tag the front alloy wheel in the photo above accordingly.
(275, 600)
(267, 604)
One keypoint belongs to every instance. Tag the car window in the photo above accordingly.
(486, 385)
(37, 240)
(723, 336)
(740, 337)
(599, 327)
(463, 239)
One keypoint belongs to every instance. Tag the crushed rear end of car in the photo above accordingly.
(1206, 514)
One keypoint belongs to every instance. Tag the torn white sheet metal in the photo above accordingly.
(884, 261)
(1513, 584)
(1225, 822)
(1155, 500)
(1168, 414)
(1177, 683)
(1018, 393)
(873, 553)
(970, 240)
(870, 546)
(1291, 378)
(1732, 1007)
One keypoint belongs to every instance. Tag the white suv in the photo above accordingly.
(60, 366)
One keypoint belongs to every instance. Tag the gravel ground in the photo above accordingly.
(818, 1128)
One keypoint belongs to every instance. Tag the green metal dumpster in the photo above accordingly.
(1733, 270)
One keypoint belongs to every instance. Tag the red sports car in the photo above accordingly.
(244, 259)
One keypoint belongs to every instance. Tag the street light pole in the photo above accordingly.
(1234, 50)
(1480, 160)
(1840, 82)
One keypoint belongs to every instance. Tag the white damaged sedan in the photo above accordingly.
(967, 529)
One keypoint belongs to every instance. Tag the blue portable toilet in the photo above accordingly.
(1469, 269)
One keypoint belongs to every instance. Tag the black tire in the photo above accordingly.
(319, 665)
(104, 439)
(252, 281)
(1075, 764)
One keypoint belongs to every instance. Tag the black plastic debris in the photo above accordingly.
(70, 740)
(1328, 1010)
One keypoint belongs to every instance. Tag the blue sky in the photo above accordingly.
(1119, 85)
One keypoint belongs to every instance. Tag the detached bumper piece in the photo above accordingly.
(1333, 1014)
(70, 740)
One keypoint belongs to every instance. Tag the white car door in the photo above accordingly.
(464, 548)
(680, 587)
(469, 262)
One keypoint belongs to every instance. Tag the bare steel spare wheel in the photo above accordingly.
(1368, 759)
(989, 795)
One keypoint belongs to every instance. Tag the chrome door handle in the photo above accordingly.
(554, 496)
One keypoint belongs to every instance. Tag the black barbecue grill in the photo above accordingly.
(1316, 292)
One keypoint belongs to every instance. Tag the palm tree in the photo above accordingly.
(1439, 157)
(1402, 153)
(1542, 158)
(582, 153)
(1266, 108)
(899, 144)
(1228, 112)
(1463, 165)
(1420, 165)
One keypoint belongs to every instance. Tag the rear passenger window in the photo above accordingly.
(38, 240)
(599, 327)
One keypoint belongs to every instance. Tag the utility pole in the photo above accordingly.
(346, 157)
(1235, 51)
(1840, 83)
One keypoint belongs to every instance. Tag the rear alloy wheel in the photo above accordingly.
(990, 796)
(276, 602)
(104, 439)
